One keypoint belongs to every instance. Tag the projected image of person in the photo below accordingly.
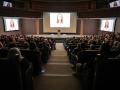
(7, 3)
(59, 19)
(12, 25)
(115, 4)
(106, 24)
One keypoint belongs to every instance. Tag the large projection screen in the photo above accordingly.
(11, 23)
(64, 21)
(107, 24)
(58, 20)
(115, 4)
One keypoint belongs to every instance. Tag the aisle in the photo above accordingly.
(58, 75)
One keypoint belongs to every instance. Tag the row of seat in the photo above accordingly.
(95, 71)
(18, 78)
(36, 57)
(70, 47)
(14, 76)
(107, 75)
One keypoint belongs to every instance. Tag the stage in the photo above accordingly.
(58, 38)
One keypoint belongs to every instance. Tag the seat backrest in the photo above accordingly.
(3, 52)
(34, 57)
(87, 56)
(107, 73)
(31, 55)
(10, 73)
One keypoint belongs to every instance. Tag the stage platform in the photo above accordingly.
(58, 38)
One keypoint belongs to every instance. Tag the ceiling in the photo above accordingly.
(61, 0)
(99, 3)
(73, 0)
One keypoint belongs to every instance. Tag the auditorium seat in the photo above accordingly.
(3, 52)
(107, 75)
(70, 48)
(35, 58)
(87, 56)
(10, 74)
(85, 67)
(46, 51)
(12, 77)
(22, 46)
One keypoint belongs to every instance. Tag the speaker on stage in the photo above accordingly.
(59, 32)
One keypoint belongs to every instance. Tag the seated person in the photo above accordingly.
(115, 46)
(33, 46)
(1, 45)
(79, 48)
(37, 64)
(92, 46)
(20, 67)
(105, 49)
(12, 53)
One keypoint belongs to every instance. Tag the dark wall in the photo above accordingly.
(117, 26)
(1, 26)
(78, 26)
(41, 26)
(90, 26)
(63, 6)
(30, 26)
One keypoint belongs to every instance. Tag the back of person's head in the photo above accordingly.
(115, 43)
(83, 46)
(105, 48)
(1, 45)
(79, 46)
(26, 45)
(92, 46)
(32, 45)
(13, 52)
(12, 45)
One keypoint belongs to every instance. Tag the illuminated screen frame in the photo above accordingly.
(73, 24)
(111, 4)
(16, 21)
(7, 4)
(59, 20)
(112, 23)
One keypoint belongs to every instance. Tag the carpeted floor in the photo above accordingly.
(58, 75)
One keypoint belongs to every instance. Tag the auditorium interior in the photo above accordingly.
(59, 45)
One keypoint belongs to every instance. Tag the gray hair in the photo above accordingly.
(13, 52)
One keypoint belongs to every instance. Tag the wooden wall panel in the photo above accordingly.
(88, 13)
(62, 6)
(89, 26)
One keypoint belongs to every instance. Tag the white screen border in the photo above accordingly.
(48, 29)
(56, 23)
(112, 24)
(16, 19)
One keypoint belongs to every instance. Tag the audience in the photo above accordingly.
(15, 51)
(107, 44)
(1, 45)
(33, 46)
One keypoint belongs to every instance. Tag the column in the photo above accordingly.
(37, 26)
(81, 28)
